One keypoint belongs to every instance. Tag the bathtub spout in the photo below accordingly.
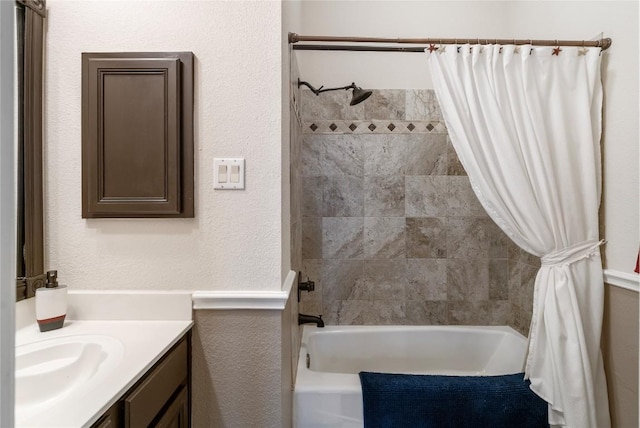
(310, 319)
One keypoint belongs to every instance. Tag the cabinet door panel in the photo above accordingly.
(144, 403)
(111, 418)
(137, 137)
(177, 414)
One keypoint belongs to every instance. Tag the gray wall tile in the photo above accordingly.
(426, 154)
(426, 279)
(423, 312)
(390, 228)
(388, 312)
(462, 312)
(475, 238)
(388, 104)
(387, 278)
(296, 245)
(342, 238)
(479, 312)
(384, 196)
(498, 279)
(350, 312)
(343, 196)
(342, 155)
(462, 201)
(312, 188)
(384, 238)
(310, 307)
(384, 155)
(426, 237)
(312, 238)
(467, 280)
(454, 166)
(344, 280)
(426, 196)
(329, 105)
(312, 153)
(499, 312)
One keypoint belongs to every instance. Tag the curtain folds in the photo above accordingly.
(526, 122)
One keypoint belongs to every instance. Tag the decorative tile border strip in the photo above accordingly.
(373, 127)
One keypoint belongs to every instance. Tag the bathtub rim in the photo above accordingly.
(327, 382)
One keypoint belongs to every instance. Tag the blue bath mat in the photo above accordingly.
(424, 401)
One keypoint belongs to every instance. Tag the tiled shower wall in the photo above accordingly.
(391, 231)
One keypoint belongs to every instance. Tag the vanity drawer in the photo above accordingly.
(147, 400)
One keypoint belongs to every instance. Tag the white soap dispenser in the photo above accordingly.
(51, 303)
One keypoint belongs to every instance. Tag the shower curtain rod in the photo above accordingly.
(294, 38)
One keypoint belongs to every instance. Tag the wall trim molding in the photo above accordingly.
(629, 281)
(245, 299)
(277, 300)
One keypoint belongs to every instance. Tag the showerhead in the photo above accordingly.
(358, 96)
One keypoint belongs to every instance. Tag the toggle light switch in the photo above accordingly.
(228, 173)
(235, 173)
(222, 173)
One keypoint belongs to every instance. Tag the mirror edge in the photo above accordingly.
(32, 142)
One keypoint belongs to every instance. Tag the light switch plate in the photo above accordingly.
(222, 173)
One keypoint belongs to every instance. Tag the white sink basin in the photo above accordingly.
(48, 370)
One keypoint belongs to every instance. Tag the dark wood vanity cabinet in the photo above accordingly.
(160, 399)
(110, 419)
(177, 414)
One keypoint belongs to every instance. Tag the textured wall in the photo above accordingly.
(392, 232)
(288, 359)
(234, 241)
(237, 376)
(620, 353)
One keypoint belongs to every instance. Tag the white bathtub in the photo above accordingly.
(327, 389)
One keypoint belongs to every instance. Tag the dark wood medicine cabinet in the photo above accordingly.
(30, 16)
(137, 134)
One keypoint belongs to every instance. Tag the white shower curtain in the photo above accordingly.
(525, 122)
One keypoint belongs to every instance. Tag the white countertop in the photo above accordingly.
(144, 332)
